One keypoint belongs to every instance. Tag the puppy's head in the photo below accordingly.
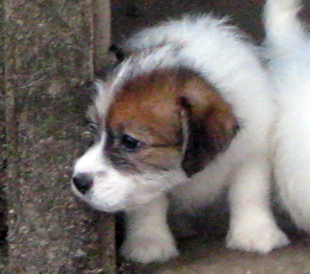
(158, 130)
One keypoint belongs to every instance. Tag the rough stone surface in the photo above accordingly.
(3, 227)
(48, 59)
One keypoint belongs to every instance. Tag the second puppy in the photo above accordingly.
(288, 45)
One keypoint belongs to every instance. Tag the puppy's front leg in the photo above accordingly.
(252, 224)
(148, 238)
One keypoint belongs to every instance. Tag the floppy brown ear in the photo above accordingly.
(209, 126)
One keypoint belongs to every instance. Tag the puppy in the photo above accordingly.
(288, 47)
(186, 116)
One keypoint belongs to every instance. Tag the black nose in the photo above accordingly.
(83, 182)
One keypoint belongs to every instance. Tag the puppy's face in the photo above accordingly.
(158, 130)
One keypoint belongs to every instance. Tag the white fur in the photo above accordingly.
(221, 55)
(288, 45)
(148, 236)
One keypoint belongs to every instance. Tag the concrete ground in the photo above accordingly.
(207, 253)
(211, 257)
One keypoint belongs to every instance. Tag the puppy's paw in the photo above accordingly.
(147, 249)
(261, 239)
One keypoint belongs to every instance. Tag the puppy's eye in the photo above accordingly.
(91, 134)
(93, 129)
(110, 136)
(130, 143)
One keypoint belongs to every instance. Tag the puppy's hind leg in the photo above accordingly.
(252, 224)
(148, 238)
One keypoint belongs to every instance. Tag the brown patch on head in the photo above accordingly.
(177, 117)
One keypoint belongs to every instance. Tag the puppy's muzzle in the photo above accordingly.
(83, 182)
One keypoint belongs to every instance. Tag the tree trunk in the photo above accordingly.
(48, 58)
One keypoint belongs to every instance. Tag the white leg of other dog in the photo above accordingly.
(252, 225)
(148, 237)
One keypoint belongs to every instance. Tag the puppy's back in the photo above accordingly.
(187, 29)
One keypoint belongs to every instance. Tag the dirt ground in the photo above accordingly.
(207, 253)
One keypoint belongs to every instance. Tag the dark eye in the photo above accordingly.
(93, 129)
(91, 134)
(110, 136)
(130, 143)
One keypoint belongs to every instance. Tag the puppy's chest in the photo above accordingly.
(202, 190)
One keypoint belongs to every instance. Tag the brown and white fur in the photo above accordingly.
(186, 116)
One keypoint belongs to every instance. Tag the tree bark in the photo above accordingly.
(48, 58)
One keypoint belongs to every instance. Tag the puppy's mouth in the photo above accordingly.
(82, 187)
(100, 204)
(112, 198)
